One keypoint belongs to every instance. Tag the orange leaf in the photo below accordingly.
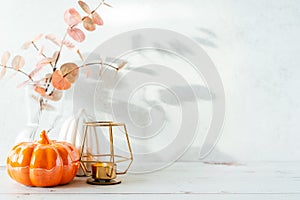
(18, 62)
(40, 90)
(77, 34)
(97, 19)
(59, 82)
(26, 45)
(38, 37)
(84, 7)
(89, 24)
(70, 72)
(72, 17)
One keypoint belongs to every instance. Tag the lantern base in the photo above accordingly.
(103, 182)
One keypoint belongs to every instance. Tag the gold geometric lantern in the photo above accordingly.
(101, 156)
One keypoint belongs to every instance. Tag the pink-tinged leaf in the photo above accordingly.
(89, 24)
(97, 19)
(53, 39)
(40, 65)
(77, 34)
(3, 72)
(72, 17)
(18, 62)
(84, 7)
(44, 61)
(69, 44)
(26, 45)
(38, 37)
(5, 58)
(35, 72)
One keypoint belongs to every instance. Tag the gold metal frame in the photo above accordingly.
(112, 155)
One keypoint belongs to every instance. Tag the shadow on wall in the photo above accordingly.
(162, 96)
(207, 37)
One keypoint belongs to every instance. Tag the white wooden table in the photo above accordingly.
(182, 180)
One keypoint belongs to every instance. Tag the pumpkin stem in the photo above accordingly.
(44, 138)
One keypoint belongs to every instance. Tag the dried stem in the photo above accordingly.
(102, 2)
(56, 61)
(89, 64)
(20, 71)
(38, 49)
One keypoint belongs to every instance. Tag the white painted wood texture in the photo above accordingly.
(182, 180)
(254, 44)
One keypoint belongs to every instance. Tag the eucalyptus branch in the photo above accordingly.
(99, 63)
(20, 71)
(72, 18)
(59, 52)
(89, 64)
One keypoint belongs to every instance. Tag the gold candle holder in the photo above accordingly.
(104, 173)
(103, 166)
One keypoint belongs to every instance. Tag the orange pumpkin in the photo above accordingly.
(43, 163)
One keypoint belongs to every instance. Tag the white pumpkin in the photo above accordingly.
(72, 131)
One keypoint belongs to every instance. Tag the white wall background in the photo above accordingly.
(254, 44)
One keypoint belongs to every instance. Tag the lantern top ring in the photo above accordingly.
(103, 123)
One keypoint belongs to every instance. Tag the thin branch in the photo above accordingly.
(59, 52)
(99, 63)
(20, 71)
(36, 47)
(93, 63)
(102, 2)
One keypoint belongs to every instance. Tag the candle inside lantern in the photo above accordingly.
(104, 173)
(104, 170)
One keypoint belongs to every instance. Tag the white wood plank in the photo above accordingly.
(193, 179)
(152, 196)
